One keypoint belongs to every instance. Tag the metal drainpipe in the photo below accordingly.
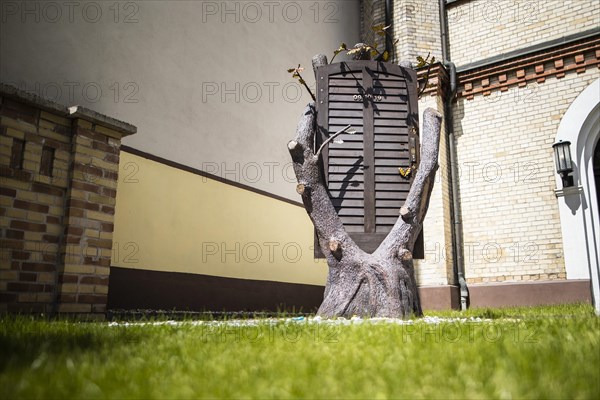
(457, 237)
(388, 22)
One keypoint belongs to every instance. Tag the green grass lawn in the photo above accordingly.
(549, 352)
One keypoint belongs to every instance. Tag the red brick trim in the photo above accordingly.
(438, 79)
(519, 71)
(554, 62)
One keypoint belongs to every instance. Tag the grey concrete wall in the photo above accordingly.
(204, 81)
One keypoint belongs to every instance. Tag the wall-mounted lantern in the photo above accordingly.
(564, 163)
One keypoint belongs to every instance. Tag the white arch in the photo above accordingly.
(579, 213)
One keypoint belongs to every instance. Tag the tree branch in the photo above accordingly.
(426, 81)
(334, 241)
(330, 138)
(412, 213)
(303, 82)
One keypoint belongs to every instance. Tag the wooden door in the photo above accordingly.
(362, 174)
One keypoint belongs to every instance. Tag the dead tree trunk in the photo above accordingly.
(381, 284)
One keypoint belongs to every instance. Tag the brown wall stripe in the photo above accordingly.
(138, 289)
(131, 289)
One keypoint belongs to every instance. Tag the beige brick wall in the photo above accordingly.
(509, 209)
(480, 29)
(417, 27)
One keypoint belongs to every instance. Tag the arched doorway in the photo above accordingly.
(597, 172)
(579, 205)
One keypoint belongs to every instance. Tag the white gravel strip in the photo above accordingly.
(310, 320)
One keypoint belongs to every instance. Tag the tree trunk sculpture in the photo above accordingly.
(381, 284)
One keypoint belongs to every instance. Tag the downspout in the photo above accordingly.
(457, 237)
(388, 21)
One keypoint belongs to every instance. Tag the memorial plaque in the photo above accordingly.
(368, 175)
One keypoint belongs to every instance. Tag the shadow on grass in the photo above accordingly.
(534, 312)
(23, 339)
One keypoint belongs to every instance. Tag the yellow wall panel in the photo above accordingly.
(171, 220)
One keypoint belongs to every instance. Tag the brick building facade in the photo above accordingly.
(520, 67)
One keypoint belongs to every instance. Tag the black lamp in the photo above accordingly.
(564, 163)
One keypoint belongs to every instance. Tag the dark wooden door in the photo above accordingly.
(362, 174)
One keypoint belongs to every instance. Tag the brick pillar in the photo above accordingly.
(58, 170)
(90, 202)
